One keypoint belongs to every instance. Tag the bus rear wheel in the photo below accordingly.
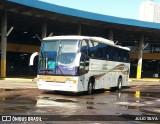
(119, 86)
(90, 88)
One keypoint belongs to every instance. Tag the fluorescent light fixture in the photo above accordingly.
(23, 54)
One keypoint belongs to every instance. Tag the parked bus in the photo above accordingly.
(82, 63)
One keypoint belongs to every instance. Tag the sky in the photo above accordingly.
(119, 8)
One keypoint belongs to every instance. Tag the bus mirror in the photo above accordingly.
(32, 58)
(77, 59)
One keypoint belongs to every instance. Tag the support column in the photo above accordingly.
(79, 29)
(110, 35)
(3, 45)
(140, 53)
(44, 29)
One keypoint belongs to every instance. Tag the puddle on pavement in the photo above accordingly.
(17, 99)
(58, 100)
(151, 94)
(90, 103)
(133, 107)
(65, 100)
(44, 101)
(88, 98)
(17, 109)
(2, 90)
(102, 103)
(119, 102)
(151, 110)
(16, 104)
(90, 107)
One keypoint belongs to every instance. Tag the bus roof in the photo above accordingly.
(74, 37)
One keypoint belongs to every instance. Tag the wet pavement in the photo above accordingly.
(134, 100)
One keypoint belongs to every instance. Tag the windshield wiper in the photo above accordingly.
(59, 49)
(60, 69)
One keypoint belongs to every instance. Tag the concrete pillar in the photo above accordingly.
(44, 29)
(3, 45)
(140, 53)
(110, 35)
(79, 30)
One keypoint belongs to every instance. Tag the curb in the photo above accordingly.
(144, 80)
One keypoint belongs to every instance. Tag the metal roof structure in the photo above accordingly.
(83, 14)
(30, 15)
(32, 18)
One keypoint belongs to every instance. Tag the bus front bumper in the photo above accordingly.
(64, 86)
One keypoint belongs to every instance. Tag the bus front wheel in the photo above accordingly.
(90, 87)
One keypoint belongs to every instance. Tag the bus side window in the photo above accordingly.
(107, 52)
(95, 49)
(101, 50)
(84, 64)
(126, 56)
(123, 58)
(111, 53)
(91, 49)
(84, 47)
(115, 54)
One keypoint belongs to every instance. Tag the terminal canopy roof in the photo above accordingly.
(47, 10)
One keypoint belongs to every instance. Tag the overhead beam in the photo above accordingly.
(44, 29)
(80, 30)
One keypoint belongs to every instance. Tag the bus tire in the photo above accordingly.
(119, 85)
(90, 87)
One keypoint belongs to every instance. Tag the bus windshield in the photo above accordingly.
(57, 56)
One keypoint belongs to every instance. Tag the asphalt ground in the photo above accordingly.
(139, 98)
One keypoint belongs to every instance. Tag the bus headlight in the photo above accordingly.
(74, 81)
(41, 80)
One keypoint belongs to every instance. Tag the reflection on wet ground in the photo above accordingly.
(2, 90)
(106, 103)
(16, 104)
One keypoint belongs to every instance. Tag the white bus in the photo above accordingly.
(82, 63)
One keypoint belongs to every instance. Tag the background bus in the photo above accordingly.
(81, 63)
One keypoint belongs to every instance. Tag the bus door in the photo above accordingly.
(84, 62)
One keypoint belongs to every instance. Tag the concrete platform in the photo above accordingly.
(15, 83)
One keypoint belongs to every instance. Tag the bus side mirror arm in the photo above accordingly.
(32, 58)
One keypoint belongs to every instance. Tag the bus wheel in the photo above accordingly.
(119, 86)
(90, 87)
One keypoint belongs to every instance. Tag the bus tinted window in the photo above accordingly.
(103, 51)
(91, 49)
(84, 47)
(116, 54)
(126, 56)
(98, 50)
